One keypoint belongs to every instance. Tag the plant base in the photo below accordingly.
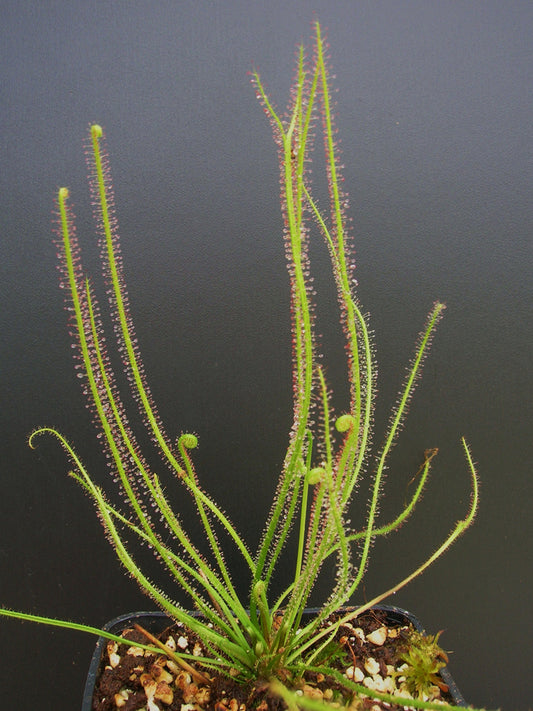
(125, 685)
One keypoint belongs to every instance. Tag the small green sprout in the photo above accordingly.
(423, 659)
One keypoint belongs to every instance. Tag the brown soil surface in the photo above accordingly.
(132, 680)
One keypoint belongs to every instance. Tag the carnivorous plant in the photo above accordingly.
(262, 636)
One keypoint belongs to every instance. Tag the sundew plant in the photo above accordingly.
(262, 636)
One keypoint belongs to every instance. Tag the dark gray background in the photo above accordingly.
(434, 115)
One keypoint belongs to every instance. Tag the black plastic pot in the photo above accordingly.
(157, 621)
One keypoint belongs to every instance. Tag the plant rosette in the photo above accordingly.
(385, 650)
(262, 640)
